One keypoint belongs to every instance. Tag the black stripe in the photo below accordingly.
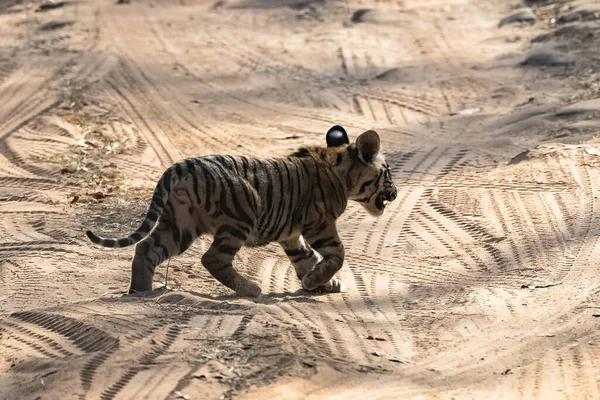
(208, 186)
(158, 244)
(301, 152)
(221, 160)
(136, 237)
(236, 232)
(235, 164)
(152, 216)
(292, 197)
(145, 227)
(294, 252)
(245, 166)
(308, 207)
(290, 182)
(186, 241)
(250, 201)
(108, 243)
(335, 197)
(255, 176)
(310, 199)
(301, 257)
(238, 208)
(167, 180)
(320, 187)
(302, 251)
(192, 170)
(250, 194)
(282, 227)
(281, 202)
(230, 250)
(342, 197)
(327, 242)
(378, 178)
(171, 220)
(268, 197)
(188, 195)
(239, 213)
(211, 188)
(356, 162)
(92, 236)
(223, 195)
(158, 195)
(294, 214)
(364, 185)
(306, 170)
(295, 198)
(322, 226)
(123, 242)
(219, 239)
(178, 170)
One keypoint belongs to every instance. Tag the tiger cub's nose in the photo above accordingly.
(391, 193)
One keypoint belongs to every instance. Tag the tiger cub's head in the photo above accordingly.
(366, 172)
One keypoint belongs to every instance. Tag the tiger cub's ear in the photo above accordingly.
(368, 145)
(336, 136)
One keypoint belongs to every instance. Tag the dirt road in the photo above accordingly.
(481, 281)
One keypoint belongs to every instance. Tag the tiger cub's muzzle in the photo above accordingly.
(387, 194)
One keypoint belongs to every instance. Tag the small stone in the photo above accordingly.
(50, 6)
(545, 58)
(520, 16)
(395, 360)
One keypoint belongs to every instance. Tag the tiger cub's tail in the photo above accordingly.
(160, 197)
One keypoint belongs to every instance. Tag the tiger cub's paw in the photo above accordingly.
(248, 289)
(333, 286)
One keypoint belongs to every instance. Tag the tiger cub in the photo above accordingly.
(241, 201)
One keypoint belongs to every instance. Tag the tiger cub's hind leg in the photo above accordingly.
(304, 258)
(166, 241)
(218, 260)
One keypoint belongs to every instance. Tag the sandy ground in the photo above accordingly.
(481, 281)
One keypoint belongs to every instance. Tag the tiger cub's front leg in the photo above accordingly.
(327, 243)
(304, 258)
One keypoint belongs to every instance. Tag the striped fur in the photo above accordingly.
(245, 201)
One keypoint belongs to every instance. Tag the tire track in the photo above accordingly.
(517, 256)
(449, 223)
(85, 337)
(186, 123)
(163, 151)
(142, 363)
(88, 372)
(301, 327)
(274, 67)
(21, 281)
(314, 334)
(37, 341)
